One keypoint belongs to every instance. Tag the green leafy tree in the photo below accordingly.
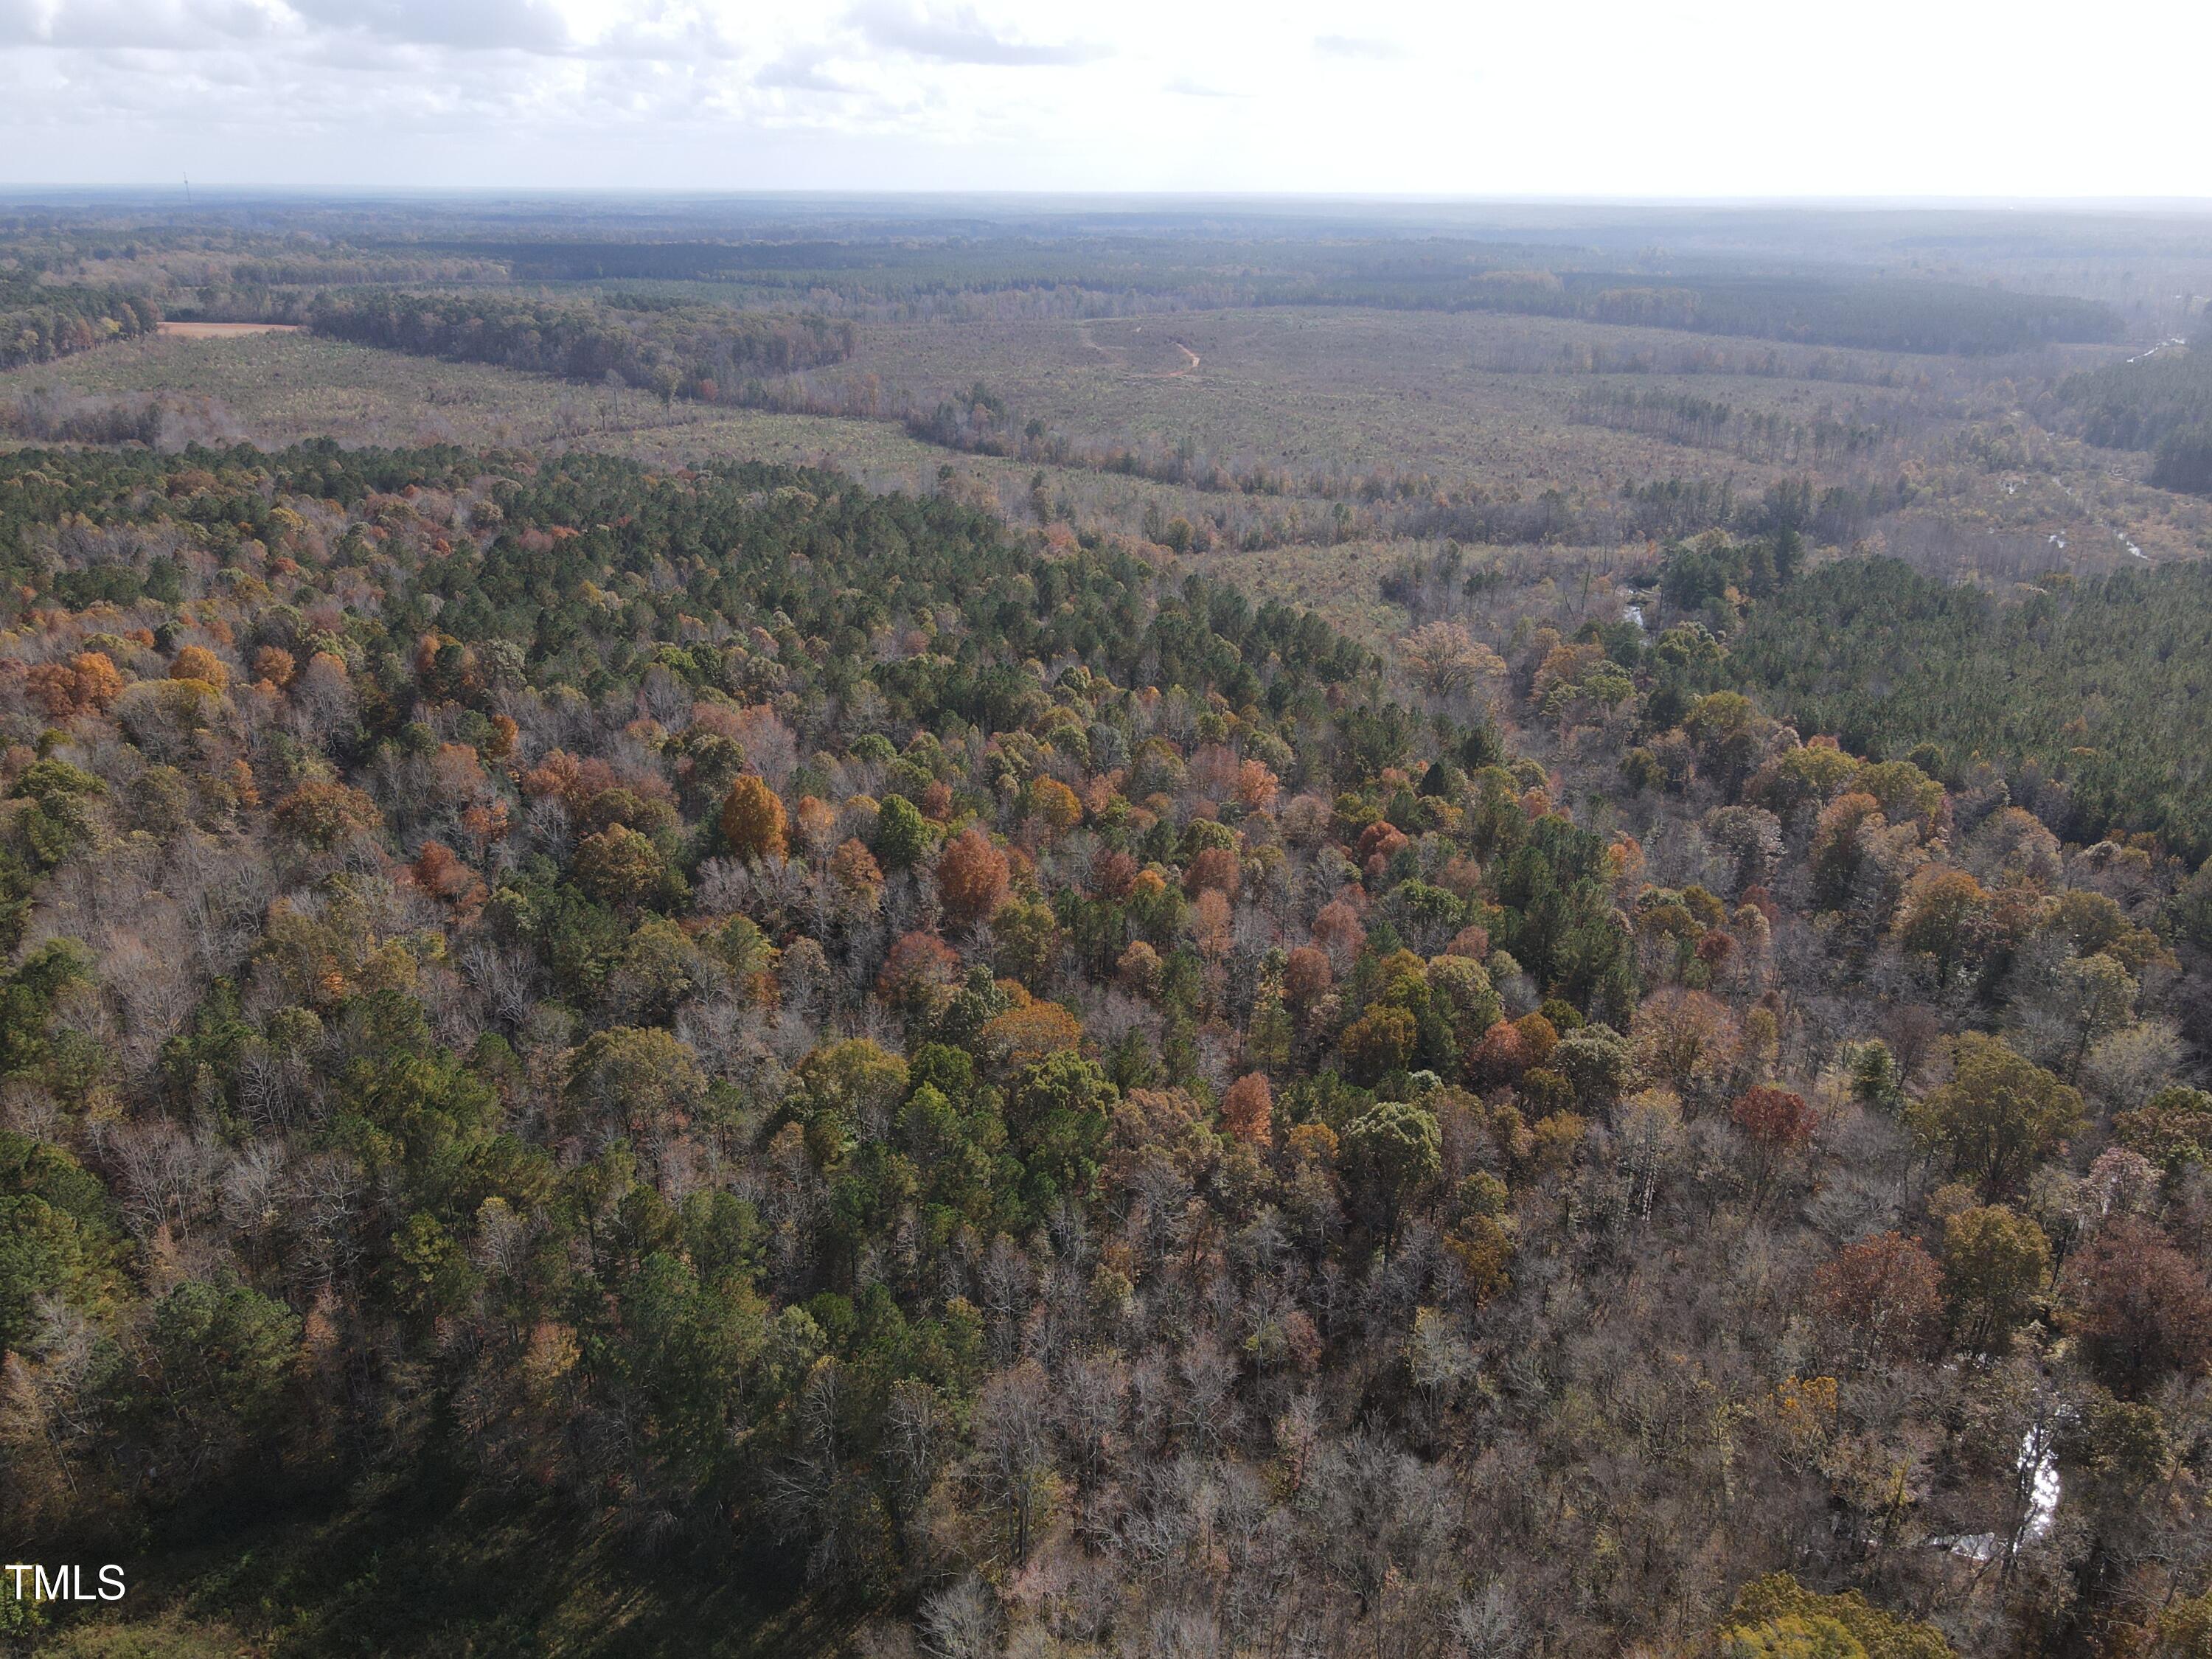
(1057, 1120)
(641, 1078)
(1996, 1265)
(618, 866)
(1393, 1150)
(848, 1091)
(2173, 1128)
(903, 835)
(1598, 1061)
(1998, 1115)
(1778, 1615)
(56, 1238)
(221, 1360)
(1379, 1042)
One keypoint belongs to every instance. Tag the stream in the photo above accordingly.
(2039, 1485)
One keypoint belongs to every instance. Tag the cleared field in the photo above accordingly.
(1341, 584)
(1332, 392)
(1469, 398)
(278, 388)
(1434, 366)
(1344, 584)
(1501, 405)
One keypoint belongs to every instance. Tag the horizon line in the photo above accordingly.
(1581, 199)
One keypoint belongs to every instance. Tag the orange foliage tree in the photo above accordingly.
(972, 878)
(87, 683)
(753, 821)
(1248, 1108)
(197, 662)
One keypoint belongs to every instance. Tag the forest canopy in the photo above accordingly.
(41, 321)
(2089, 697)
(693, 349)
(2160, 402)
(1361, 935)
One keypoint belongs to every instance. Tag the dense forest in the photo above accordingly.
(2089, 697)
(697, 350)
(1823, 309)
(978, 1094)
(41, 321)
(2160, 401)
(975, 261)
(1705, 295)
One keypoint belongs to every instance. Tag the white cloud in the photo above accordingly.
(801, 70)
(1188, 87)
(516, 25)
(1356, 46)
(959, 35)
(167, 25)
(1613, 98)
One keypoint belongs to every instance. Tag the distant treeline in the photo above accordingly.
(1876, 314)
(2162, 402)
(41, 321)
(284, 290)
(609, 261)
(2089, 698)
(700, 351)
(1833, 306)
(165, 420)
(1686, 418)
(350, 267)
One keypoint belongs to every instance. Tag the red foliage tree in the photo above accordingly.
(1337, 931)
(1472, 942)
(2140, 1309)
(439, 872)
(89, 681)
(1216, 869)
(919, 974)
(1887, 1291)
(1113, 875)
(1778, 1124)
(1306, 977)
(1500, 1056)
(1774, 1119)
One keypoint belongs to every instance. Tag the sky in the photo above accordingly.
(1596, 99)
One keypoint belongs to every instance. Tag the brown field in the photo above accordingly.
(1489, 401)
(1472, 400)
(279, 390)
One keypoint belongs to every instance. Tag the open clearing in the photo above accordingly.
(279, 389)
(1471, 400)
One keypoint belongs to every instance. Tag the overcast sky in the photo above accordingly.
(1887, 97)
